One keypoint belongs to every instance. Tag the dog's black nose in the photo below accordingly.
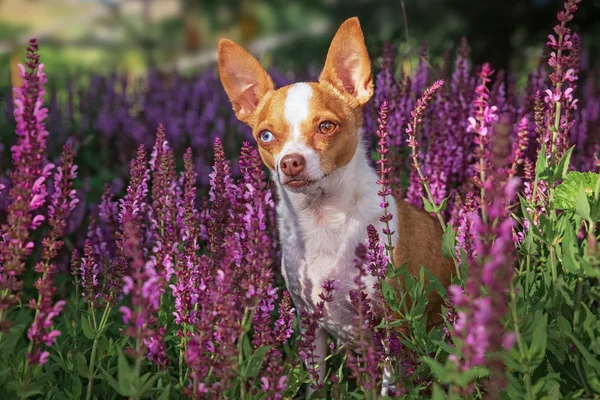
(292, 164)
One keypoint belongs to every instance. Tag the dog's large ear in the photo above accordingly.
(348, 66)
(244, 79)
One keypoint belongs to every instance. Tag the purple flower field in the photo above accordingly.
(152, 269)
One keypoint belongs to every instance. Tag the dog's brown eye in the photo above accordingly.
(326, 127)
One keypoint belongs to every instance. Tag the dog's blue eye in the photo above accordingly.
(266, 136)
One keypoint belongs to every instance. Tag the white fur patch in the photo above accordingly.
(295, 112)
(296, 107)
(319, 232)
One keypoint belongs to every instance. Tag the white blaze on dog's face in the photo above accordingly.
(305, 131)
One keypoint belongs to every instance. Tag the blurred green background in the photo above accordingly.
(134, 35)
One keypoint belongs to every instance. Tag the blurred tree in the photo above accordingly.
(498, 31)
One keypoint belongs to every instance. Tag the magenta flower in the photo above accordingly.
(384, 169)
(141, 283)
(62, 204)
(418, 181)
(30, 171)
(27, 194)
(480, 124)
(89, 272)
(40, 329)
(478, 324)
(364, 362)
(254, 249)
(165, 199)
(564, 62)
(284, 325)
(274, 382)
(310, 323)
(520, 146)
(221, 195)
(377, 260)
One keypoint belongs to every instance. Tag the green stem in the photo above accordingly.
(482, 180)
(240, 349)
(93, 312)
(181, 353)
(425, 185)
(535, 188)
(2, 313)
(553, 262)
(576, 332)
(138, 364)
(76, 308)
(528, 275)
(91, 371)
(520, 344)
(37, 313)
(555, 129)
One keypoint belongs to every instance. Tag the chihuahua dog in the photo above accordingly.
(309, 135)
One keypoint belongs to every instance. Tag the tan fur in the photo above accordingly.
(243, 78)
(348, 66)
(269, 116)
(419, 244)
(336, 149)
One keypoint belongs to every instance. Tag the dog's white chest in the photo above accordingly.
(318, 244)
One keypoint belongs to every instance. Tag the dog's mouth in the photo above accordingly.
(297, 184)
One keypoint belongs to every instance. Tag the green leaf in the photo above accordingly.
(427, 205)
(564, 326)
(449, 243)
(438, 369)
(148, 386)
(547, 226)
(547, 388)
(582, 204)
(591, 365)
(30, 393)
(76, 387)
(111, 381)
(165, 394)
(570, 250)
(592, 361)
(390, 295)
(529, 245)
(10, 340)
(513, 360)
(563, 165)
(566, 193)
(82, 368)
(88, 331)
(443, 204)
(124, 374)
(533, 228)
(537, 350)
(438, 393)
(255, 361)
(515, 388)
(246, 349)
(541, 165)
(471, 375)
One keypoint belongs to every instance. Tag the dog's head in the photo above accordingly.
(304, 131)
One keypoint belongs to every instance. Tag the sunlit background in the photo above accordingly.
(135, 35)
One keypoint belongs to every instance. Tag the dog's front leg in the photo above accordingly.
(319, 357)
(388, 378)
